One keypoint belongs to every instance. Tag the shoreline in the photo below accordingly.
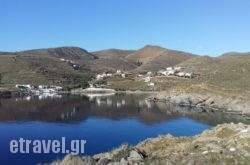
(222, 144)
(206, 102)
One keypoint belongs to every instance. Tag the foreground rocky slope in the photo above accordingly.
(224, 144)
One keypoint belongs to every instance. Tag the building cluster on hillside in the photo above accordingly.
(147, 78)
(27, 91)
(169, 71)
(107, 74)
(103, 75)
(176, 71)
(40, 89)
(72, 63)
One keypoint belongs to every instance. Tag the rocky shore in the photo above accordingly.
(208, 102)
(223, 144)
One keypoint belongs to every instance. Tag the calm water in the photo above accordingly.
(104, 122)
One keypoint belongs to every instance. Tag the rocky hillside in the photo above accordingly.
(113, 53)
(43, 66)
(228, 71)
(154, 58)
(224, 144)
(109, 65)
(73, 53)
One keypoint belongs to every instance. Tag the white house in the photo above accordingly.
(109, 74)
(149, 73)
(181, 74)
(151, 84)
(189, 75)
(147, 79)
(118, 72)
(170, 72)
(177, 69)
(169, 68)
(163, 72)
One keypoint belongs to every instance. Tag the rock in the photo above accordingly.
(114, 163)
(74, 160)
(135, 156)
(123, 162)
(102, 156)
(103, 161)
(89, 160)
(115, 154)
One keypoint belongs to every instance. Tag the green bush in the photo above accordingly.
(82, 82)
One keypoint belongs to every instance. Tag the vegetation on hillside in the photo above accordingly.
(43, 66)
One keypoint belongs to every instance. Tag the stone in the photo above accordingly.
(103, 161)
(135, 156)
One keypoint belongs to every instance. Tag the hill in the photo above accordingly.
(72, 53)
(43, 66)
(154, 58)
(109, 65)
(112, 53)
(229, 70)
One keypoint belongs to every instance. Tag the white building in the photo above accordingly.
(147, 79)
(118, 72)
(151, 84)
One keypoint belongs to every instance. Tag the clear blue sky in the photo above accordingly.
(205, 27)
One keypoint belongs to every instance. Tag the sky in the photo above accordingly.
(204, 27)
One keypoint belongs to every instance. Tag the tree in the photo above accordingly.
(138, 63)
(82, 81)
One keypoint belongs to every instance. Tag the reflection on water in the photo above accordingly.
(76, 108)
(105, 122)
(39, 96)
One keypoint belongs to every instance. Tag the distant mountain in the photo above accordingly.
(43, 66)
(199, 64)
(63, 52)
(234, 54)
(112, 53)
(6, 53)
(230, 70)
(154, 58)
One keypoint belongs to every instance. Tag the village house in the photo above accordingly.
(175, 71)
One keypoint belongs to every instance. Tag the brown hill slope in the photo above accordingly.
(154, 58)
(229, 70)
(112, 65)
(112, 53)
(39, 66)
(62, 52)
(43, 66)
